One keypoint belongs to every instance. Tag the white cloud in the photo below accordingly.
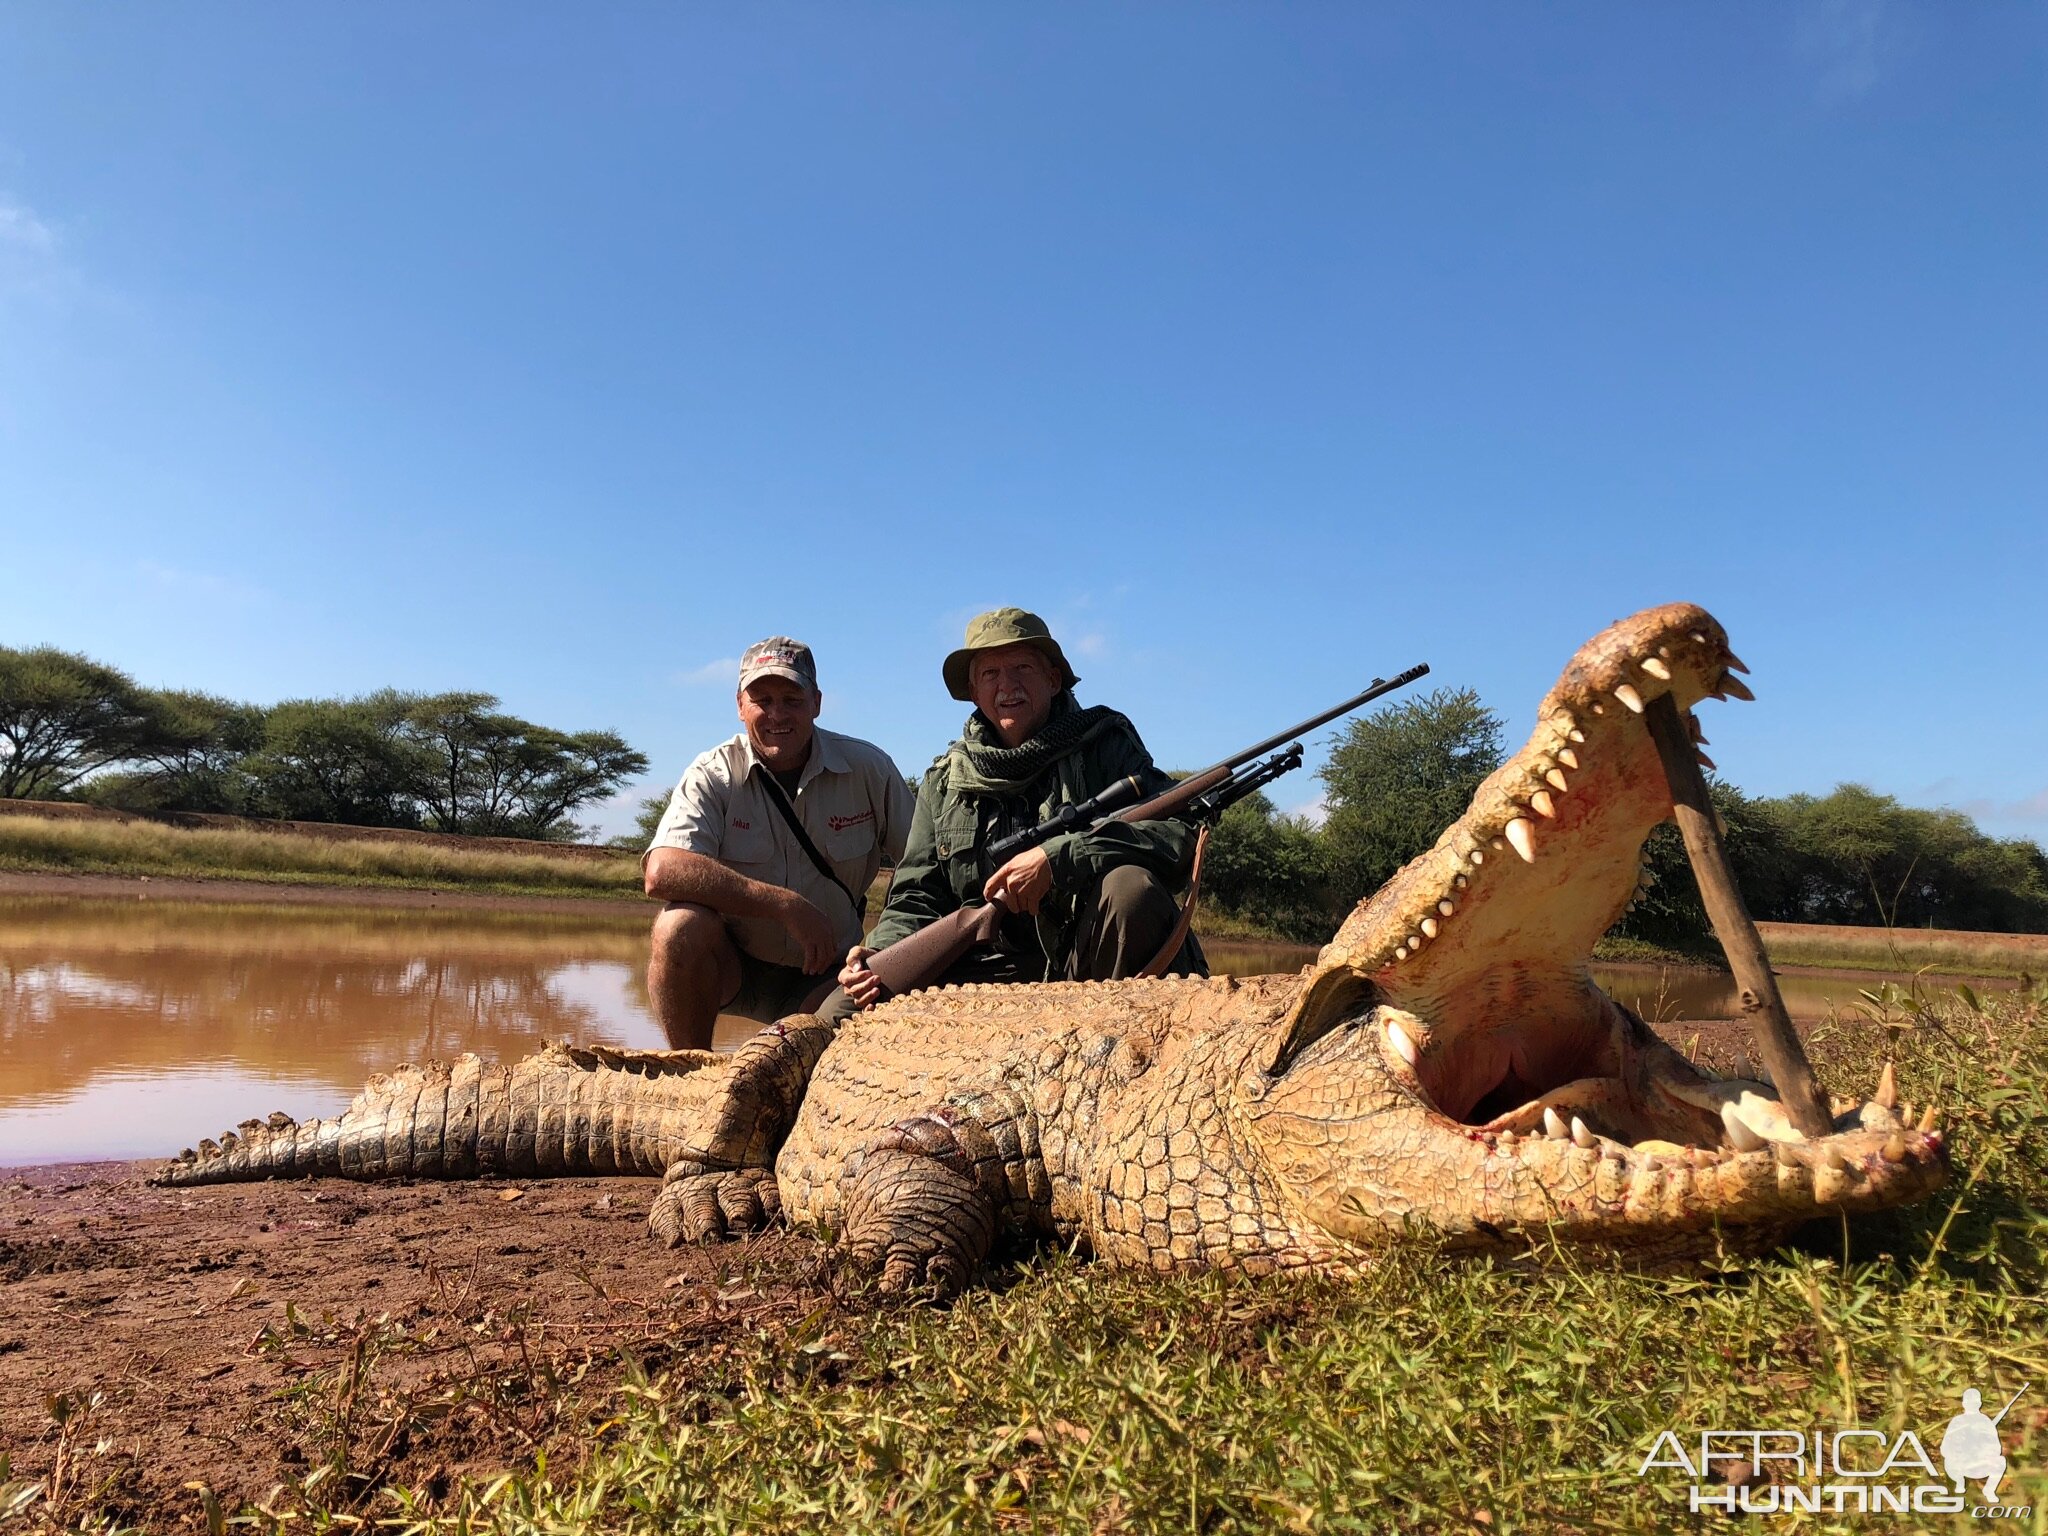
(1850, 42)
(724, 670)
(19, 227)
(2031, 809)
(1088, 643)
(1316, 811)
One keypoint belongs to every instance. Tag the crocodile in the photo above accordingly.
(1445, 1071)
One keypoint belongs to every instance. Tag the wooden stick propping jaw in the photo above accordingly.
(1761, 1005)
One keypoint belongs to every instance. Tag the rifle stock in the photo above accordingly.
(918, 959)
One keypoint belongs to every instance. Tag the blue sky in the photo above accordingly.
(561, 352)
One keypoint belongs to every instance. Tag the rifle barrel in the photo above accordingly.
(1379, 686)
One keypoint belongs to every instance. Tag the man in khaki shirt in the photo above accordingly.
(752, 924)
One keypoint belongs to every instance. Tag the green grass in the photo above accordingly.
(1431, 1395)
(41, 844)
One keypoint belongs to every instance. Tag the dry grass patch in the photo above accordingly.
(142, 848)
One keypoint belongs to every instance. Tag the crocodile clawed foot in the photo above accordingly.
(704, 1205)
(916, 1222)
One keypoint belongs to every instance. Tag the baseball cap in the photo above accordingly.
(779, 656)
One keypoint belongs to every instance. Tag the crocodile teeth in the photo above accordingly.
(1745, 1139)
(1580, 1135)
(1541, 803)
(1834, 1158)
(1569, 758)
(1553, 1124)
(1555, 776)
(1446, 907)
(1459, 881)
(1656, 668)
(1887, 1094)
(1403, 1046)
(1628, 695)
(1580, 737)
(1429, 927)
(1521, 832)
(1735, 661)
(1478, 857)
(1895, 1147)
(1496, 844)
(1930, 1117)
(1735, 686)
(1704, 760)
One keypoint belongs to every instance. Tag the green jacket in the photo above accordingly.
(945, 864)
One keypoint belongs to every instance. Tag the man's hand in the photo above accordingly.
(1022, 883)
(811, 929)
(860, 983)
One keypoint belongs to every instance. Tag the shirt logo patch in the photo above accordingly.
(841, 823)
(744, 826)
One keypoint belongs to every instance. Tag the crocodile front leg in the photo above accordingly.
(923, 1203)
(726, 1186)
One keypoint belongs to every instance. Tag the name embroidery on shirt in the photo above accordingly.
(841, 823)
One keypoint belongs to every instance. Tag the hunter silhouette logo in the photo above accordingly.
(1970, 1448)
(1844, 1471)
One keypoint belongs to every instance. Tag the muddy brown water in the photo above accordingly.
(130, 1029)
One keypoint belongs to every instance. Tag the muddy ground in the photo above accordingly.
(243, 1337)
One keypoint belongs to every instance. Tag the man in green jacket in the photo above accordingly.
(1092, 905)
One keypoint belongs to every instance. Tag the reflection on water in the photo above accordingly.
(131, 1028)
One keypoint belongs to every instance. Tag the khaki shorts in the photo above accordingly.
(769, 991)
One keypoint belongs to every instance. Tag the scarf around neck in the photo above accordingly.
(981, 764)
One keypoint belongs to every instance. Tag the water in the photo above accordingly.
(132, 1028)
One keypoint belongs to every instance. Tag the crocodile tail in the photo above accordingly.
(562, 1110)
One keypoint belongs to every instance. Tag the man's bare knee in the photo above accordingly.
(687, 934)
(693, 970)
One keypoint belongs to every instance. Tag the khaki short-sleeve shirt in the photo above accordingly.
(851, 800)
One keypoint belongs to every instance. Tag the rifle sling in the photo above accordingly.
(1179, 936)
(803, 839)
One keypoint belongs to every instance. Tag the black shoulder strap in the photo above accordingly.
(803, 840)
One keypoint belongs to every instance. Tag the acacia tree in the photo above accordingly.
(341, 760)
(496, 775)
(1396, 778)
(63, 717)
(194, 759)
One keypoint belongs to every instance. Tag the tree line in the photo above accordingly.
(1397, 777)
(73, 728)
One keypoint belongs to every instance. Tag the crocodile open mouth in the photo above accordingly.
(1474, 961)
(1615, 1091)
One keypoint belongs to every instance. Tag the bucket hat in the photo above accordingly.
(991, 631)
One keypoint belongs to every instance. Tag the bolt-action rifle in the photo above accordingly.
(921, 958)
